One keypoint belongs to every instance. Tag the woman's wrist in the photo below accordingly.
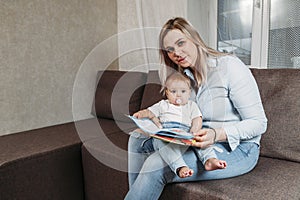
(220, 135)
(215, 135)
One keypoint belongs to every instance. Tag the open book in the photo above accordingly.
(173, 135)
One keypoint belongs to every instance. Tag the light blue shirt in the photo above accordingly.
(230, 99)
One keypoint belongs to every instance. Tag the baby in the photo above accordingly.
(182, 113)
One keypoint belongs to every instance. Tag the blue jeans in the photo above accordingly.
(148, 173)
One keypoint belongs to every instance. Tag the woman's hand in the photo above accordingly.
(204, 138)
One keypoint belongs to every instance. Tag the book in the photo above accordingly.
(173, 135)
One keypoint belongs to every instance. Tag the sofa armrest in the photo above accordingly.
(42, 164)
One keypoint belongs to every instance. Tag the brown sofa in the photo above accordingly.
(88, 160)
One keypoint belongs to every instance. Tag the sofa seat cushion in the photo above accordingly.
(116, 127)
(100, 127)
(111, 149)
(105, 165)
(271, 179)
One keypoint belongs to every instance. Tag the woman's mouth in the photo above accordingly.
(180, 60)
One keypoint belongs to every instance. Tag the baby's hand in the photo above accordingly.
(156, 122)
(137, 115)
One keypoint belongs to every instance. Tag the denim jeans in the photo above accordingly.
(148, 173)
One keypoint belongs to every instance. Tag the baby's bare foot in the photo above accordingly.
(213, 164)
(184, 172)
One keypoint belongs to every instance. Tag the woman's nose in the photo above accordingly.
(177, 51)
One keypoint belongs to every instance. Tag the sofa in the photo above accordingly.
(87, 159)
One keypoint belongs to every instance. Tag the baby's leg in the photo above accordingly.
(172, 155)
(209, 159)
(214, 163)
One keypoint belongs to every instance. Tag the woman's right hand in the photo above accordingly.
(204, 138)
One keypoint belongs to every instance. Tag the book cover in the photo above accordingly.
(173, 135)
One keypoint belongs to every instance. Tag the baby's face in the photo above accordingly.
(178, 92)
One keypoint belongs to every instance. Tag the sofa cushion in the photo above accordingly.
(118, 93)
(105, 164)
(152, 90)
(270, 179)
(280, 93)
(102, 181)
(100, 127)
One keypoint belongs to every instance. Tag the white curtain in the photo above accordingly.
(139, 23)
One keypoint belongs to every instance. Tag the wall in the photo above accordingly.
(43, 44)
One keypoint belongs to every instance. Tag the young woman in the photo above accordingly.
(228, 97)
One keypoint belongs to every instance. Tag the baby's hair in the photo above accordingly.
(176, 76)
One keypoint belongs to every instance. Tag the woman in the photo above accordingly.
(228, 97)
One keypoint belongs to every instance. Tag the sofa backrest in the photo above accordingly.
(280, 94)
(152, 92)
(118, 93)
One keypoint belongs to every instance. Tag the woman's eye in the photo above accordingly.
(170, 50)
(180, 43)
(173, 91)
(183, 91)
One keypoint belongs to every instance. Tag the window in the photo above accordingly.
(235, 28)
(262, 33)
(284, 34)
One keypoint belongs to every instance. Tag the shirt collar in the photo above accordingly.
(212, 62)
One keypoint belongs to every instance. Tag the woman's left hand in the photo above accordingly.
(204, 138)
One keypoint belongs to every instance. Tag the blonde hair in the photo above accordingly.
(200, 69)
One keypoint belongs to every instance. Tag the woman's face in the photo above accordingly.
(181, 50)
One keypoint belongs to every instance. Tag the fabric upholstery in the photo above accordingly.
(105, 168)
(42, 164)
(118, 93)
(271, 179)
(152, 93)
(280, 93)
